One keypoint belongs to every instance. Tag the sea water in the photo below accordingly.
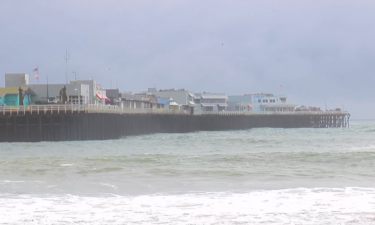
(255, 176)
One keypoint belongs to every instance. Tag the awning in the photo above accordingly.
(250, 106)
(173, 103)
(222, 104)
(191, 103)
(101, 97)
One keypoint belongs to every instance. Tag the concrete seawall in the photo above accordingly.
(71, 126)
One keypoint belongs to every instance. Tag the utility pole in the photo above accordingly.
(66, 58)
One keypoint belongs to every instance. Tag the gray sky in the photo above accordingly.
(315, 49)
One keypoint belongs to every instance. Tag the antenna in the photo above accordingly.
(325, 102)
(66, 58)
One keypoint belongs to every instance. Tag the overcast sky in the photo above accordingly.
(317, 50)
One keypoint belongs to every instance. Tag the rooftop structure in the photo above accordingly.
(16, 79)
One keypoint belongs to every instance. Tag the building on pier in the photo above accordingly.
(263, 102)
(97, 94)
(113, 95)
(16, 79)
(183, 99)
(12, 96)
(77, 93)
(51, 93)
(143, 101)
(211, 102)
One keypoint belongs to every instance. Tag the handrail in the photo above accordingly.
(74, 108)
(274, 113)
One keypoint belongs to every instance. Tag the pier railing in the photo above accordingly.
(53, 109)
(273, 113)
(57, 109)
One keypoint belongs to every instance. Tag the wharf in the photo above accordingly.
(35, 123)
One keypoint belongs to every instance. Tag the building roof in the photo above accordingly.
(214, 104)
(14, 90)
(8, 90)
(172, 90)
(208, 104)
(214, 96)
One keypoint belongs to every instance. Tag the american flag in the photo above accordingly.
(35, 70)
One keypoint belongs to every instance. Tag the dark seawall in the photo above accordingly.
(104, 126)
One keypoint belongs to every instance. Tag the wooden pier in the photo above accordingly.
(93, 122)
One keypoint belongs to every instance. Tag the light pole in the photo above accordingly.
(47, 90)
(75, 83)
(75, 76)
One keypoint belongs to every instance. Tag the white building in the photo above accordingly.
(96, 93)
(211, 102)
(16, 79)
(259, 103)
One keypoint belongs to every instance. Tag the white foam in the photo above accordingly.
(291, 206)
(109, 185)
(361, 148)
(66, 165)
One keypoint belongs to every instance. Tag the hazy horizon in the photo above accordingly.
(317, 50)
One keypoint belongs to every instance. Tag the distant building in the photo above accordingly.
(113, 95)
(179, 98)
(142, 100)
(96, 93)
(16, 79)
(46, 93)
(50, 93)
(263, 102)
(211, 102)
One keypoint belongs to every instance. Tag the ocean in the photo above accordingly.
(255, 176)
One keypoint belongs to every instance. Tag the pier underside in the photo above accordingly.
(104, 126)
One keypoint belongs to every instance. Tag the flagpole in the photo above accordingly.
(37, 72)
